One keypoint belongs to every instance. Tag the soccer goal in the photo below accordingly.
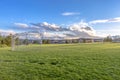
(24, 40)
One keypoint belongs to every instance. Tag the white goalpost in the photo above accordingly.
(24, 39)
(12, 42)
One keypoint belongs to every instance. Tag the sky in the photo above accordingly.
(103, 16)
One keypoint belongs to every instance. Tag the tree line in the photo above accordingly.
(6, 40)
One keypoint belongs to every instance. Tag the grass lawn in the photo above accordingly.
(98, 61)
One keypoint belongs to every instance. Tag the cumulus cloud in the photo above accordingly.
(21, 25)
(70, 13)
(82, 27)
(75, 30)
(37, 26)
(48, 27)
(117, 19)
(52, 26)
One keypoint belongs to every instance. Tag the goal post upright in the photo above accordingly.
(12, 42)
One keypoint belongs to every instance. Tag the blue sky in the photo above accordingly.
(102, 15)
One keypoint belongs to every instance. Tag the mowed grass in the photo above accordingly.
(98, 61)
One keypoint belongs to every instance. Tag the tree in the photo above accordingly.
(25, 41)
(45, 41)
(0, 39)
(17, 41)
(36, 42)
(7, 40)
(108, 39)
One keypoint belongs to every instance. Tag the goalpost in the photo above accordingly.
(12, 42)
(24, 39)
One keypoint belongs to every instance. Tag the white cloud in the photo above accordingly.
(114, 19)
(108, 32)
(98, 21)
(54, 26)
(21, 25)
(82, 27)
(113, 29)
(77, 29)
(48, 34)
(6, 32)
(117, 19)
(70, 13)
(34, 27)
(49, 27)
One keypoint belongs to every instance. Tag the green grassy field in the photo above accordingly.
(99, 61)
